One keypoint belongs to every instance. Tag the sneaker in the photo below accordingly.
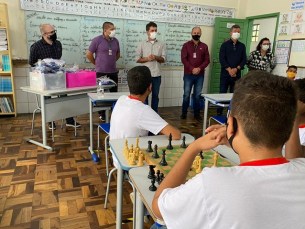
(50, 126)
(183, 116)
(198, 117)
(72, 124)
(102, 118)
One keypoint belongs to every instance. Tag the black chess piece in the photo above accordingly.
(183, 145)
(161, 178)
(155, 155)
(158, 176)
(153, 186)
(163, 161)
(151, 173)
(149, 149)
(201, 155)
(170, 138)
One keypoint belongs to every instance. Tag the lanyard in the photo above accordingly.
(109, 45)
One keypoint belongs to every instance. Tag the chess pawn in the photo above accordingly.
(199, 169)
(216, 155)
(153, 186)
(141, 157)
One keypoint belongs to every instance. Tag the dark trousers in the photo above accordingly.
(156, 82)
(225, 83)
(68, 120)
(115, 78)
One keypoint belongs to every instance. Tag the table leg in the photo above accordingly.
(119, 200)
(139, 212)
(206, 107)
(95, 158)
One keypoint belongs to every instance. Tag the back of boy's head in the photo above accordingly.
(138, 80)
(292, 66)
(265, 105)
(300, 83)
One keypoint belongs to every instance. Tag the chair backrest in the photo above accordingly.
(229, 110)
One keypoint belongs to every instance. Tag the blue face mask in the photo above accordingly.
(232, 137)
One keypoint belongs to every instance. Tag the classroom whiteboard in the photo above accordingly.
(297, 53)
(76, 32)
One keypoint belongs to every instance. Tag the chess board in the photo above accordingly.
(173, 155)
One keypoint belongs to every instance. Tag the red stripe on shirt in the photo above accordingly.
(131, 97)
(270, 161)
(303, 126)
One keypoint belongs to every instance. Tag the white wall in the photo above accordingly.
(266, 29)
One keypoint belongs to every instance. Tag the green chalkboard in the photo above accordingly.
(76, 32)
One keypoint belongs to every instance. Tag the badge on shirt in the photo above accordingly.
(110, 52)
(194, 55)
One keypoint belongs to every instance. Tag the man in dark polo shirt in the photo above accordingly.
(195, 58)
(48, 47)
(232, 57)
(107, 51)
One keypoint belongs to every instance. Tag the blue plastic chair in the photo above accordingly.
(221, 119)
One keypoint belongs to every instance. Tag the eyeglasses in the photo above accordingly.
(52, 32)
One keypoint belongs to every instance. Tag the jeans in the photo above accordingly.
(225, 83)
(158, 226)
(68, 120)
(189, 82)
(114, 77)
(156, 82)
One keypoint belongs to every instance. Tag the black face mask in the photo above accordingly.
(53, 37)
(232, 137)
(196, 37)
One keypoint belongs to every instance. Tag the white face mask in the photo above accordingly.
(235, 36)
(112, 33)
(265, 47)
(153, 35)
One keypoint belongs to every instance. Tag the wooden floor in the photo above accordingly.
(64, 188)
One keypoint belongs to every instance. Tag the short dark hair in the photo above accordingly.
(300, 83)
(234, 27)
(107, 24)
(138, 80)
(265, 106)
(150, 24)
(292, 66)
(258, 47)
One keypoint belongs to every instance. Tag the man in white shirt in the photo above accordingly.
(131, 117)
(265, 190)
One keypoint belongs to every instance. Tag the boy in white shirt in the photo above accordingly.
(265, 190)
(131, 117)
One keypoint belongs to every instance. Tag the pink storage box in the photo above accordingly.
(81, 79)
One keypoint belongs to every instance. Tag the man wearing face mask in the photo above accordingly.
(232, 57)
(107, 51)
(48, 47)
(195, 58)
(152, 53)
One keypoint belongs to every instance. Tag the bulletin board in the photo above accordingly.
(297, 53)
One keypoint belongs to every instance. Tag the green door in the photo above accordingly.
(221, 34)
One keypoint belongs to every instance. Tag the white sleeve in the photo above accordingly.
(151, 121)
(302, 137)
(185, 206)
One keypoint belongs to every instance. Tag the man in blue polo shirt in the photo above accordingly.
(107, 51)
(232, 57)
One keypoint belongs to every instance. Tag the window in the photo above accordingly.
(255, 32)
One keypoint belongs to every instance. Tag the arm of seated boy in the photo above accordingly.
(222, 137)
(178, 173)
(169, 129)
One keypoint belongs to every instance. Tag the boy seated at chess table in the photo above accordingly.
(266, 190)
(131, 117)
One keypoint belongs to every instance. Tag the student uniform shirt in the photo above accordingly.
(131, 118)
(251, 197)
(302, 135)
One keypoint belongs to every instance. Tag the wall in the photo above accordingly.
(267, 29)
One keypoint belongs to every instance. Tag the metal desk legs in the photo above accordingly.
(206, 107)
(119, 200)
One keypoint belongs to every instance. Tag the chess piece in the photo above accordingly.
(155, 155)
(132, 160)
(195, 163)
(199, 169)
(141, 157)
(216, 155)
(161, 178)
(170, 147)
(153, 186)
(163, 161)
(149, 149)
(151, 173)
(183, 145)
(131, 149)
(201, 155)
(126, 149)
(158, 176)
(137, 144)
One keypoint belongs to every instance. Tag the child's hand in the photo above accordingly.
(221, 138)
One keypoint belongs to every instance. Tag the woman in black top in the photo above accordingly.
(262, 58)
